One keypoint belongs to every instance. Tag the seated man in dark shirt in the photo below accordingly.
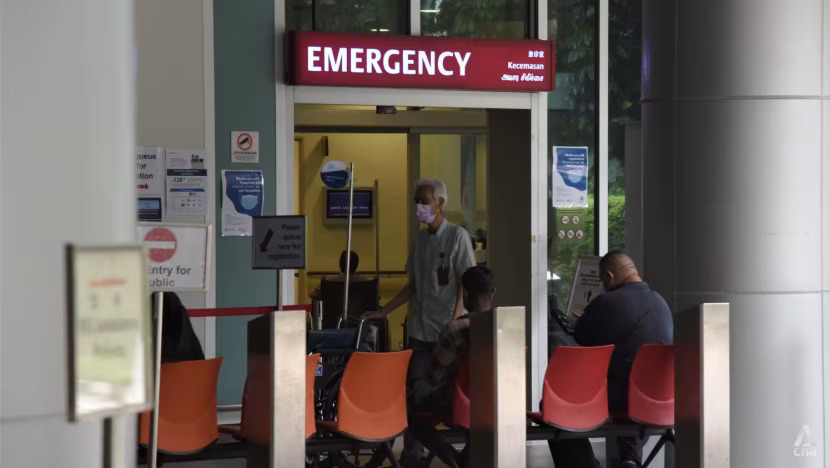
(627, 315)
(435, 395)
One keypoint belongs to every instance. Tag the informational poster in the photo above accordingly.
(242, 199)
(178, 256)
(149, 171)
(110, 345)
(570, 177)
(245, 147)
(571, 225)
(587, 285)
(186, 182)
(279, 242)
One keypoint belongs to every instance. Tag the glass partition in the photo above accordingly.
(507, 19)
(572, 123)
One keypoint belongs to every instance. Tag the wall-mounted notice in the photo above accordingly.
(186, 182)
(279, 242)
(587, 285)
(570, 177)
(109, 346)
(242, 199)
(149, 170)
(245, 147)
(178, 256)
(572, 225)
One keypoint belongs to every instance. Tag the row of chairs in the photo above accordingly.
(371, 403)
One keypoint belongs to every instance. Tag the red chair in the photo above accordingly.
(575, 393)
(461, 399)
(310, 372)
(651, 391)
(187, 407)
(371, 403)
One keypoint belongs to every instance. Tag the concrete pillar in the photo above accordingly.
(736, 197)
(67, 155)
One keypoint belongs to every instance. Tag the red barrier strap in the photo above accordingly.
(240, 311)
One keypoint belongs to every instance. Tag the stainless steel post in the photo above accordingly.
(702, 387)
(114, 440)
(377, 234)
(498, 406)
(348, 246)
(317, 310)
(276, 382)
(152, 447)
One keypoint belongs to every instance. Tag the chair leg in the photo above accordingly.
(387, 447)
(668, 436)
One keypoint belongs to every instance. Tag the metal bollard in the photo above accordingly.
(702, 423)
(276, 383)
(497, 407)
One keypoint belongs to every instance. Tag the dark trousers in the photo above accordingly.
(417, 389)
(578, 453)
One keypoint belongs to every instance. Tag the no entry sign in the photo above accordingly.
(178, 256)
(160, 244)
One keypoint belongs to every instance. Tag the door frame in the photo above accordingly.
(536, 103)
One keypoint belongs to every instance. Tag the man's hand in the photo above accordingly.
(375, 315)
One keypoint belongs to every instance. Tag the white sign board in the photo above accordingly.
(569, 184)
(279, 242)
(586, 286)
(109, 320)
(149, 170)
(178, 256)
(245, 147)
(186, 182)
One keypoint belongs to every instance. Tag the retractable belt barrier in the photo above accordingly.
(241, 311)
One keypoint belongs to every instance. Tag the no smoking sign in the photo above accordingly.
(245, 147)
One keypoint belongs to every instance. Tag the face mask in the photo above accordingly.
(424, 213)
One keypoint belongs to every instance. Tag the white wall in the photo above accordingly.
(175, 104)
(66, 150)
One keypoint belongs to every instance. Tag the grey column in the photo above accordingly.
(737, 204)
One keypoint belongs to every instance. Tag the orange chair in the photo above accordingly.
(237, 431)
(371, 403)
(651, 391)
(575, 393)
(187, 407)
(310, 372)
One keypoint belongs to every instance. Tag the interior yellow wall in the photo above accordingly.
(441, 159)
(376, 156)
(481, 180)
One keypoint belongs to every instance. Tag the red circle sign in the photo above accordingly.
(161, 244)
(244, 141)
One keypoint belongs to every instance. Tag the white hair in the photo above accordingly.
(439, 190)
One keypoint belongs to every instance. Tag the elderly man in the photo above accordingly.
(440, 254)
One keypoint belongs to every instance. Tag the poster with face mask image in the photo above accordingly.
(570, 177)
(241, 200)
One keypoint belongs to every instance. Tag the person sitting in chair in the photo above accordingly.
(435, 394)
(354, 260)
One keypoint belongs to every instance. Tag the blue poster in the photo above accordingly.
(242, 198)
(570, 177)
